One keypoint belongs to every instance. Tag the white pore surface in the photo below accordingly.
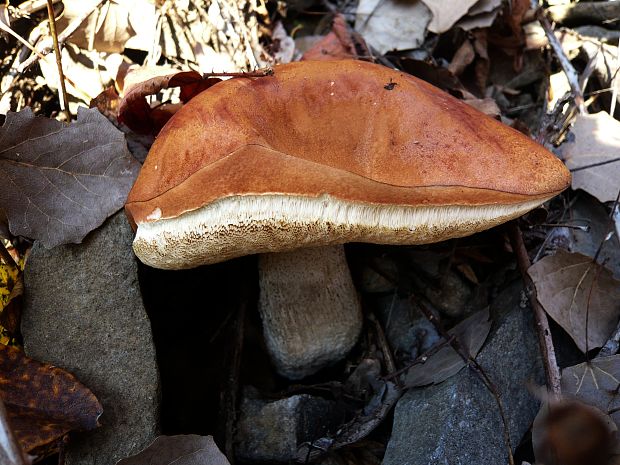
(243, 225)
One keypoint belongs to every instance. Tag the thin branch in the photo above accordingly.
(61, 75)
(48, 45)
(567, 67)
(552, 372)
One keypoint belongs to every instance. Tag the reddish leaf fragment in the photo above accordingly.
(58, 182)
(43, 402)
(137, 114)
(337, 45)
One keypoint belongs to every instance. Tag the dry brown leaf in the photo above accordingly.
(43, 402)
(488, 106)
(483, 6)
(578, 293)
(446, 13)
(596, 142)
(463, 57)
(58, 182)
(392, 24)
(107, 29)
(189, 449)
(471, 334)
(337, 45)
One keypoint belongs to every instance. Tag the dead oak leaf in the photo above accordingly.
(43, 402)
(58, 182)
(580, 295)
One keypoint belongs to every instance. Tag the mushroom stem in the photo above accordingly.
(310, 310)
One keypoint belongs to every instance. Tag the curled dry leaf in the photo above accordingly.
(594, 155)
(137, 114)
(59, 182)
(578, 294)
(470, 333)
(189, 449)
(43, 402)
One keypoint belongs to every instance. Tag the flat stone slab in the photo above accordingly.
(458, 421)
(83, 312)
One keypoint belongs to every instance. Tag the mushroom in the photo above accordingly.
(320, 154)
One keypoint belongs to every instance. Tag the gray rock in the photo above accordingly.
(83, 311)
(272, 431)
(457, 421)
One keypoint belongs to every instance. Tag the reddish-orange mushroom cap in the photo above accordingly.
(324, 153)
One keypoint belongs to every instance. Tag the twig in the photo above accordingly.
(423, 358)
(475, 366)
(61, 75)
(47, 46)
(552, 372)
(262, 72)
(567, 67)
(383, 344)
(614, 84)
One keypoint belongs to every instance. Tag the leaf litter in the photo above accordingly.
(59, 182)
(43, 402)
(580, 295)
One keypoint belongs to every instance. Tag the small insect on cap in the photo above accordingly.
(325, 153)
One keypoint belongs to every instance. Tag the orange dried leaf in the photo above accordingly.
(43, 402)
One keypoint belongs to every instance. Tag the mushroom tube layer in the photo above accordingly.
(325, 153)
(243, 225)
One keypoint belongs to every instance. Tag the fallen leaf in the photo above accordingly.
(446, 362)
(596, 142)
(488, 106)
(43, 402)
(483, 6)
(336, 45)
(137, 114)
(578, 294)
(86, 74)
(482, 20)
(391, 24)
(106, 29)
(189, 449)
(58, 182)
(10, 451)
(463, 57)
(446, 13)
(596, 383)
